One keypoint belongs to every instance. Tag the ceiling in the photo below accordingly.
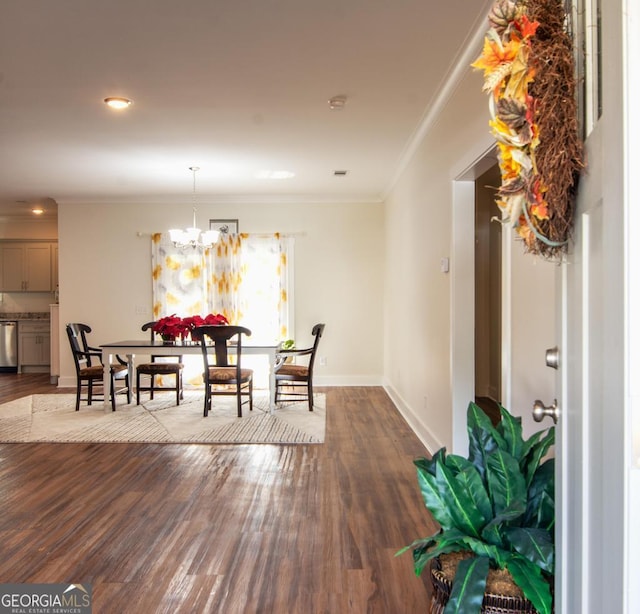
(235, 88)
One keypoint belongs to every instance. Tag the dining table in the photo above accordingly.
(132, 347)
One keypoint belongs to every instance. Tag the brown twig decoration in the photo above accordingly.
(529, 72)
(559, 153)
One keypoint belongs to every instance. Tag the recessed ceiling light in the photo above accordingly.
(275, 174)
(37, 210)
(336, 103)
(115, 102)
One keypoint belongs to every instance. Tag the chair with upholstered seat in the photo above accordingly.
(294, 381)
(158, 367)
(223, 373)
(89, 368)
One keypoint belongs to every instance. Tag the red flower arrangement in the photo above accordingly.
(213, 319)
(171, 327)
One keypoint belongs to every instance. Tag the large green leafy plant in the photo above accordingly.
(497, 504)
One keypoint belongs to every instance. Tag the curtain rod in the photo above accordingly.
(264, 235)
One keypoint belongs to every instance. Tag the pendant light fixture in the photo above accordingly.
(193, 236)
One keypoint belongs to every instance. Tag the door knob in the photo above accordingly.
(552, 357)
(540, 410)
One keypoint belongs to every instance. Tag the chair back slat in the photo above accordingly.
(215, 341)
(77, 334)
(218, 338)
(317, 331)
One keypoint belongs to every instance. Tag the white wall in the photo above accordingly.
(420, 367)
(417, 295)
(105, 274)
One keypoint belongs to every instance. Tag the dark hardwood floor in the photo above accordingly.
(221, 528)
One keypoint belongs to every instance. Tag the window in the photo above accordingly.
(245, 277)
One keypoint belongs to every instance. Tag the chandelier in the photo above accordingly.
(193, 236)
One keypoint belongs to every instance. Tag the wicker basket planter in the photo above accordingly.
(492, 604)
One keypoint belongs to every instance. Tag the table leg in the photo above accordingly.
(106, 377)
(272, 382)
(132, 373)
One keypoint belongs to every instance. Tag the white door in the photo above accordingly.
(593, 511)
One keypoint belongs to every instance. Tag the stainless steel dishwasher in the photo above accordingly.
(8, 346)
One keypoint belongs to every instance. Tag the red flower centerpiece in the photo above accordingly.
(169, 327)
(212, 319)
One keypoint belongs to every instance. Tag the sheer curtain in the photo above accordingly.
(179, 278)
(244, 276)
(263, 294)
(224, 263)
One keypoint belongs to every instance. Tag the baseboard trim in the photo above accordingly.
(430, 441)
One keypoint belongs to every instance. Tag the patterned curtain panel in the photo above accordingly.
(225, 263)
(244, 276)
(179, 278)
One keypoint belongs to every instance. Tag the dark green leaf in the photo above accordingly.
(506, 484)
(427, 548)
(532, 460)
(535, 545)
(457, 463)
(418, 543)
(470, 480)
(540, 498)
(509, 514)
(434, 498)
(483, 438)
(448, 541)
(493, 553)
(532, 441)
(493, 533)
(547, 513)
(468, 586)
(529, 578)
(420, 558)
(429, 464)
(461, 507)
(510, 428)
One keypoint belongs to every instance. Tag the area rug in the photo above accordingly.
(52, 418)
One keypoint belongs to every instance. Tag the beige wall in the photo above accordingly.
(420, 368)
(418, 234)
(105, 270)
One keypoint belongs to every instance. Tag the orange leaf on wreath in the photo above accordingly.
(526, 27)
(494, 54)
(540, 210)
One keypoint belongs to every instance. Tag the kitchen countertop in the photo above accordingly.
(25, 315)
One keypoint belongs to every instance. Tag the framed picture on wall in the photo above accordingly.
(226, 227)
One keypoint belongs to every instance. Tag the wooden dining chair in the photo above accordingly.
(223, 373)
(160, 365)
(294, 381)
(89, 368)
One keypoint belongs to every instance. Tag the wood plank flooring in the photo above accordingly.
(220, 528)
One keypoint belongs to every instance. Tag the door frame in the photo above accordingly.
(463, 291)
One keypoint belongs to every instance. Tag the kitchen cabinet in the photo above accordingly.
(26, 266)
(34, 345)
